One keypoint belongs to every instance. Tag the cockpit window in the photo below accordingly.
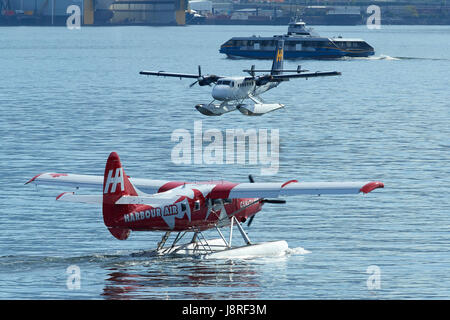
(226, 83)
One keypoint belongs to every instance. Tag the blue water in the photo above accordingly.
(69, 98)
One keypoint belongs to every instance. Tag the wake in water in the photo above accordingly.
(298, 250)
(119, 257)
(390, 58)
(380, 57)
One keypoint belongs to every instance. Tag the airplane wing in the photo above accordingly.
(202, 80)
(217, 190)
(290, 188)
(285, 77)
(169, 74)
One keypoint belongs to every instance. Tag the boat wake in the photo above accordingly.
(380, 57)
(390, 58)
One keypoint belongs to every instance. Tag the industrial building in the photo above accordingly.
(93, 12)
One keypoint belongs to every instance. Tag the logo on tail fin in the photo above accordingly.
(277, 63)
(280, 55)
(117, 179)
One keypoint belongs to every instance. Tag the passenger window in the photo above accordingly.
(197, 205)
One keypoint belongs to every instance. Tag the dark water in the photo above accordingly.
(69, 98)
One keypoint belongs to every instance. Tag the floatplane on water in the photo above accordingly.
(133, 204)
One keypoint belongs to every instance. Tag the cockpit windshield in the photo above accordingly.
(226, 83)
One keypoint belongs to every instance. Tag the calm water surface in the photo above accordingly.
(69, 98)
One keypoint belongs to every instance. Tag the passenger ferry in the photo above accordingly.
(299, 43)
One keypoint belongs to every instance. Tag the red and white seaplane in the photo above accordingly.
(132, 204)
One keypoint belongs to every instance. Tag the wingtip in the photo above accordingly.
(371, 186)
(62, 194)
(287, 182)
(34, 178)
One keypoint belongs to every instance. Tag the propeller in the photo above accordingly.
(274, 201)
(204, 80)
(199, 77)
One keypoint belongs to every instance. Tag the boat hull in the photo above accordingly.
(318, 54)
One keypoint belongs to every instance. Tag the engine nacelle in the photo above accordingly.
(258, 109)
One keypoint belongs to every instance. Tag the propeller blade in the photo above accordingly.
(250, 220)
(250, 178)
(275, 201)
(193, 84)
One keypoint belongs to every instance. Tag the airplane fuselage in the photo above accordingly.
(239, 88)
(191, 211)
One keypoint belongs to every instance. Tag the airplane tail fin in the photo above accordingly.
(115, 185)
(277, 63)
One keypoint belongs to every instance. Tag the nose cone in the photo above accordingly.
(221, 92)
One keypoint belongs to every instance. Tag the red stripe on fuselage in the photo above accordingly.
(170, 185)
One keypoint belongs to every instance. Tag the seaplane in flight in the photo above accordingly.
(230, 93)
(132, 204)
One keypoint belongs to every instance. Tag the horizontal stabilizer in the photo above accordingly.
(148, 200)
(71, 197)
(92, 182)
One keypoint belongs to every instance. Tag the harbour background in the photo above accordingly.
(69, 98)
(236, 12)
